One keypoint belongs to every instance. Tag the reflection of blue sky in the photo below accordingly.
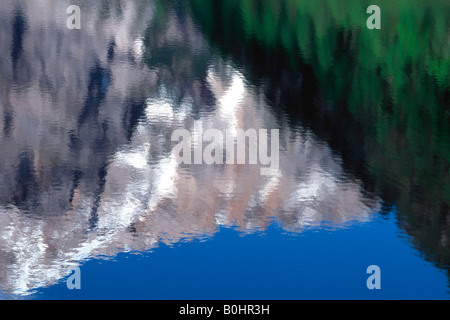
(316, 264)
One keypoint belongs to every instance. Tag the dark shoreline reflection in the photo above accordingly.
(87, 167)
(378, 98)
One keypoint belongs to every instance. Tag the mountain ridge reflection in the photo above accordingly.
(88, 168)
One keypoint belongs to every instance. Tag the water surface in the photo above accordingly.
(89, 176)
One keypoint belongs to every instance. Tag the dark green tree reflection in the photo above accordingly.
(381, 97)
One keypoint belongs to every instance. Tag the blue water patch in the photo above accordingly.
(273, 264)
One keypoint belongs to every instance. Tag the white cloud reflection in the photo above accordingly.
(145, 196)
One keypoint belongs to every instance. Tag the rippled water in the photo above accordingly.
(88, 169)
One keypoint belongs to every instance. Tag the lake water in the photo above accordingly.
(89, 175)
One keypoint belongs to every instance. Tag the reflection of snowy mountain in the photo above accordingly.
(87, 167)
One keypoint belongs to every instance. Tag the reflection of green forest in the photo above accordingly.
(394, 83)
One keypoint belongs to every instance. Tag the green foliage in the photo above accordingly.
(395, 82)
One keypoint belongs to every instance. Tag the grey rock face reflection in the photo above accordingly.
(87, 166)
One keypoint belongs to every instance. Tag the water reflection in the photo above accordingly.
(87, 167)
(380, 98)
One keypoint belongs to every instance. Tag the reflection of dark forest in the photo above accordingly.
(380, 99)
